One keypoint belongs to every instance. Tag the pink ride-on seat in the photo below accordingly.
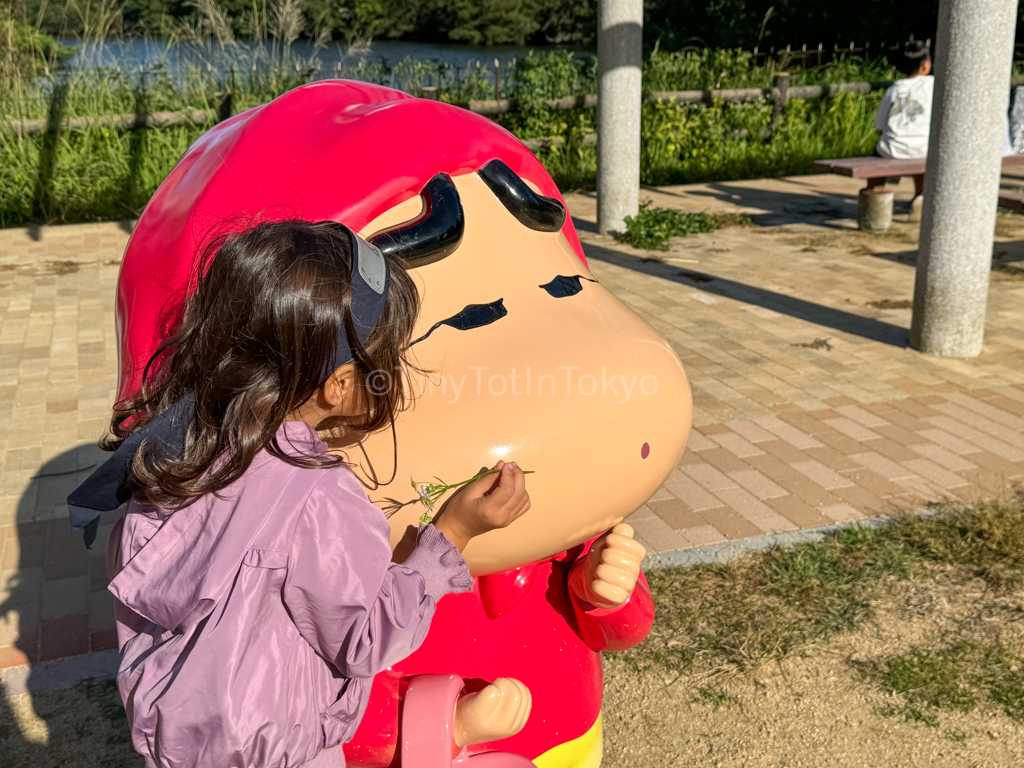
(428, 725)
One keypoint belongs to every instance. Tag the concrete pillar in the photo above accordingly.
(619, 91)
(974, 53)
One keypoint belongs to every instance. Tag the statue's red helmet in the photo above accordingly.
(334, 150)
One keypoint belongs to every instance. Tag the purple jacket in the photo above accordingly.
(252, 622)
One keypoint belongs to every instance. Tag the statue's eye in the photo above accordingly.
(566, 285)
(469, 317)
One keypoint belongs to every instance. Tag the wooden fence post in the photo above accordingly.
(224, 106)
(780, 95)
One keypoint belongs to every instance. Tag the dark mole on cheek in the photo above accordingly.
(645, 450)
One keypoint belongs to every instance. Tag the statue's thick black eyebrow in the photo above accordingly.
(471, 316)
(566, 285)
(544, 214)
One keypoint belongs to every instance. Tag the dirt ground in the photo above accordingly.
(820, 709)
(815, 710)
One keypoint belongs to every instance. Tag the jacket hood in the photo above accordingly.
(179, 565)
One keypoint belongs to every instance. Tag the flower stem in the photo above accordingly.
(482, 474)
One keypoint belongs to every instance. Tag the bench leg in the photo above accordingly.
(874, 209)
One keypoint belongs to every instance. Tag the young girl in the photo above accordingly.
(256, 593)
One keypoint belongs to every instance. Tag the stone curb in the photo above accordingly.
(59, 673)
(729, 551)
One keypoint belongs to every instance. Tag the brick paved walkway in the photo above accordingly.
(58, 363)
(809, 408)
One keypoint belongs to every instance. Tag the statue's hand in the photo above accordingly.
(605, 578)
(498, 711)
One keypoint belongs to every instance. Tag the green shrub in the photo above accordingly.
(652, 227)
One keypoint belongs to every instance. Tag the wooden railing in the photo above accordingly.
(780, 93)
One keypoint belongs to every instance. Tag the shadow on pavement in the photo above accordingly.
(801, 206)
(56, 597)
(836, 319)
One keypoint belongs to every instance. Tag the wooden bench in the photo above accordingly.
(875, 170)
(1012, 200)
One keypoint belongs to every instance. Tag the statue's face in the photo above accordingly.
(569, 383)
(566, 381)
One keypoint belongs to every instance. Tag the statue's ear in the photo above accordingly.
(544, 214)
(433, 234)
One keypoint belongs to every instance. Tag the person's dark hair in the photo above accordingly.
(915, 54)
(255, 340)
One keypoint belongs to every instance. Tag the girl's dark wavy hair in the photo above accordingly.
(256, 340)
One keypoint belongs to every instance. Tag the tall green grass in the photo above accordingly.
(689, 144)
(101, 173)
(712, 69)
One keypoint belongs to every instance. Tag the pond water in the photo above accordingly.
(329, 61)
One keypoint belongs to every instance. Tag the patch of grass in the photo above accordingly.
(987, 537)
(953, 677)
(909, 714)
(714, 697)
(83, 725)
(772, 604)
(1002, 676)
(652, 227)
(929, 679)
(767, 605)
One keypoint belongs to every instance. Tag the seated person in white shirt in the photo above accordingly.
(905, 114)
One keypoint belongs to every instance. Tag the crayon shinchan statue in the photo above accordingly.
(524, 356)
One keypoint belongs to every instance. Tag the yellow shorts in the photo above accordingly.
(584, 752)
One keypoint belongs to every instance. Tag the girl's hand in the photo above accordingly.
(493, 501)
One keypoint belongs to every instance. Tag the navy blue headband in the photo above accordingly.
(107, 488)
